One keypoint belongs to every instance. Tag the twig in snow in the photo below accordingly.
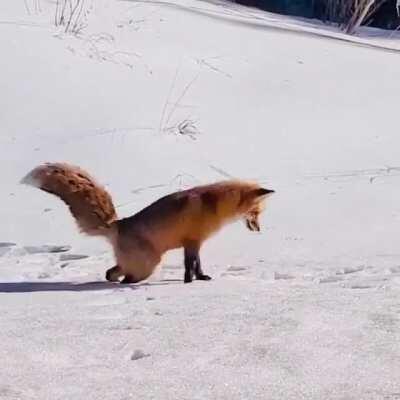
(204, 62)
(221, 171)
(167, 100)
(187, 127)
(176, 104)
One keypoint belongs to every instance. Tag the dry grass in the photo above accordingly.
(71, 14)
(349, 14)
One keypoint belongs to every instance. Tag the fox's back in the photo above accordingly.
(188, 215)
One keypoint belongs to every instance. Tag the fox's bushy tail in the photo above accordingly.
(89, 202)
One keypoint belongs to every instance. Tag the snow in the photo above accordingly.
(155, 96)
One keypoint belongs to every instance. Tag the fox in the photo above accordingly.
(183, 219)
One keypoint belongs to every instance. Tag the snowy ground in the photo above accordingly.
(160, 95)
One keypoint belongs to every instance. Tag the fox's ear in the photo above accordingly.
(255, 195)
(260, 192)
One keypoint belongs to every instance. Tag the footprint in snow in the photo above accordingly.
(44, 275)
(235, 271)
(371, 282)
(279, 276)
(395, 269)
(138, 354)
(350, 270)
(330, 279)
(5, 247)
(171, 267)
(7, 244)
(46, 249)
(72, 257)
(7, 392)
(361, 286)
(385, 322)
(343, 274)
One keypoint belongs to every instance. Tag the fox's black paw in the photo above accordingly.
(128, 279)
(113, 274)
(108, 275)
(188, 277)
(203, 277)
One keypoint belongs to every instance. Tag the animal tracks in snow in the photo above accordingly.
(372, 174)
(360, 277)
(39, 262)
(7, 244)
(49, 262)
(5, 247)
(72, 257)
(42, 249)
(237, 271)
(280, 276)
(357, 277)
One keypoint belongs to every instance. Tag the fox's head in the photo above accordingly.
(254, 204)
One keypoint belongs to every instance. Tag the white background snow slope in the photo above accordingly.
(308, 309)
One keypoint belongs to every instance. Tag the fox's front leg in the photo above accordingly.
(193, 265)
(113, 274)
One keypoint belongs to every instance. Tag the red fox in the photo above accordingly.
(181, 219)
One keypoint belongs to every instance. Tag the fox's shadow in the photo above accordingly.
(29, 287)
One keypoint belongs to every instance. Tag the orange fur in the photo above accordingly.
(182, 219)
(89, 202)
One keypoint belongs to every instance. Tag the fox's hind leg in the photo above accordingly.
(129, 278)
(193, 265)
(113, 274)
(138, 259)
